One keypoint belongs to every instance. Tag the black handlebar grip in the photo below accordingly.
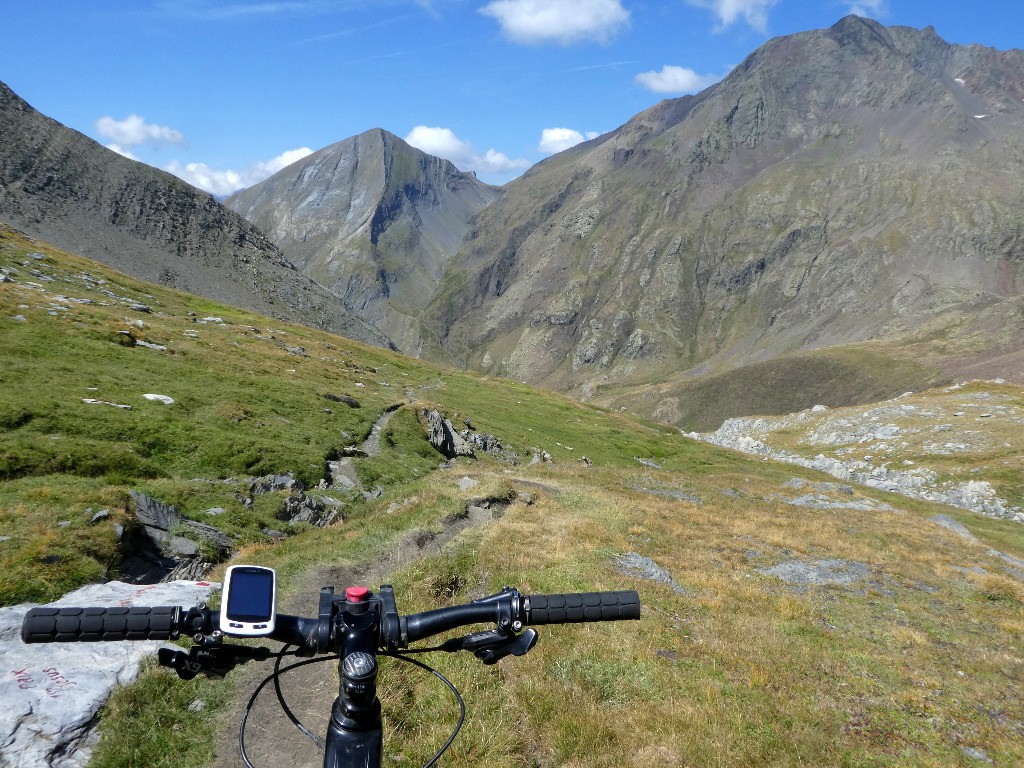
(583, 606)
(86, 625)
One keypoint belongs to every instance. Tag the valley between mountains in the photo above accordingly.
(758, 354)
(836, 222)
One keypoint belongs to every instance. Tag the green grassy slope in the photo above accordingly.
(916, 658)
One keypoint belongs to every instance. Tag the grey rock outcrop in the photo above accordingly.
(442, 435)
(157, 550)
(748, 435)
(272, 483)
(52, 693)
(318, 511)
(634, 564)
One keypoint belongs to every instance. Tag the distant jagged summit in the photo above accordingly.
(373, 219)
(851, 184)
(64, 188)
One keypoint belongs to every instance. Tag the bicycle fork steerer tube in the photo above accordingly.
(355, 733)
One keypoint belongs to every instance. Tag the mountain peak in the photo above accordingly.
(62, 187)
(367, 217)
(826, 192)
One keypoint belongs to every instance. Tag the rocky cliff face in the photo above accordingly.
(62, 187)
(374, 220)
(841, 185)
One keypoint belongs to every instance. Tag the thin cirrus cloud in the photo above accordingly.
(534, 22)
(678, 80)
(753, 12)
(554, 140)
(442, 142)
(868, 8)
(225, 182)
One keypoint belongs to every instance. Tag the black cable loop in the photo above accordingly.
(321, 744)
(256, 693)
(402, 656)
(458, 697)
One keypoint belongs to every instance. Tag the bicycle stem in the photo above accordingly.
(355, 733)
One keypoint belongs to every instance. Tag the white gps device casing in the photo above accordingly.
(249, 604)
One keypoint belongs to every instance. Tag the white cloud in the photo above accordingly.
(225, 182)
(675, 80)
(868, 8)
(554, 140)
(561, 21)
(283, 160)
(121, 151)
(442, 142)
(754, 12)
(134, 131)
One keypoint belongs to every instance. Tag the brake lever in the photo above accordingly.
(214, 661)
(494, 644)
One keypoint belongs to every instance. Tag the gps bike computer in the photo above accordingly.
(249, 605)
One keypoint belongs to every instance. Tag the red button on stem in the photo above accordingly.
(357, 594)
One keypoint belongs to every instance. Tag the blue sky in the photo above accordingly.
(225, 93)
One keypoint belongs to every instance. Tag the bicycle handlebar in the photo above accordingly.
(507, 609)
(354, 627)
(70, 624)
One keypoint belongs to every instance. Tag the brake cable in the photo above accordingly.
(321, 744)
(451, 687)
(256, 693)
(279, 671)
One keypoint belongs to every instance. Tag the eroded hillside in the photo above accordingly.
(841, 185)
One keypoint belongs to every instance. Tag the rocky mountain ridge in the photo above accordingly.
(373, 219)
(63, 188)
(840, 185)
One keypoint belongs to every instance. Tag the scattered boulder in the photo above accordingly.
(488, 443)
(541, 457)
(318, 511)
(272, 483)
(157, 550)
(443, 437)
(348, 400)
(633, 564)
(100, 516)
